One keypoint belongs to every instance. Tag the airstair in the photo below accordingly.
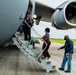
(31, 53)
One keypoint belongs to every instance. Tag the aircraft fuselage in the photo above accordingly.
(10, 17)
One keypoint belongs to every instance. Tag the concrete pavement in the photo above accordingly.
(14, 62)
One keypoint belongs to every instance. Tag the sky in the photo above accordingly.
(54, 33)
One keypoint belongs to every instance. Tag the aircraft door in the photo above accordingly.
(31, 7)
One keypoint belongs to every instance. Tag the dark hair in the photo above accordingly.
(47, 29)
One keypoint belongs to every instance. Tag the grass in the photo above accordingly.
(62, 41)
(58, 41)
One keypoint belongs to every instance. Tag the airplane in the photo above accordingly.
(12, 13)
(61, 17)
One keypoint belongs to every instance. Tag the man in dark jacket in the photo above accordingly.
(69, 50)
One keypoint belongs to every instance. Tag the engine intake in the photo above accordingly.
(70, 13)
(65, 16)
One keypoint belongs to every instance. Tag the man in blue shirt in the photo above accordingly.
(69, 50)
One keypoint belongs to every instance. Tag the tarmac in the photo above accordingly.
(14, 62)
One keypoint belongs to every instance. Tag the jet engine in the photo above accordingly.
(65, 16)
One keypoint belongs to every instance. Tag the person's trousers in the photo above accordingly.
(68, 60)
(27, 33)
(45, 48)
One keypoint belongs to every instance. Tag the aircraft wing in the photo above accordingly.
(63, 16)
(43, 12)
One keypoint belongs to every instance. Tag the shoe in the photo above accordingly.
(67, 71)
(48, 57)
(61, 69)
(34, 47)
